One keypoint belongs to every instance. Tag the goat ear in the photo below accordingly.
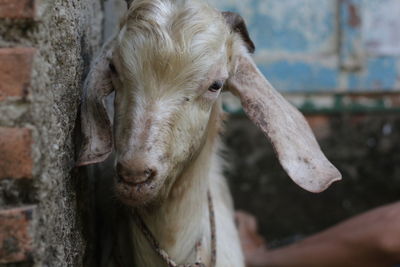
(96, 126)
(237, 24)
(286, 128)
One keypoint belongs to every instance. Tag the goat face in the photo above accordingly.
(168, 66)
(167, 80)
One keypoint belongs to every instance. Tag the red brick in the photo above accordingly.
(15, 71)
(15, 153)
(18, 9)
(15, 238)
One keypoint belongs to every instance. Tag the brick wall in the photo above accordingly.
(45, 49)
(15, 141)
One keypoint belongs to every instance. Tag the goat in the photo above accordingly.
(168, 65)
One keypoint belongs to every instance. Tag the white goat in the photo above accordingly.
(168, 66)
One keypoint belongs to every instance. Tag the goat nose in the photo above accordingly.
(135, 174)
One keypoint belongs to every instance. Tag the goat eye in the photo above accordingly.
(112, 68)
(215, 86)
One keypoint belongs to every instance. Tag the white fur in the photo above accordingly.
(167, 51)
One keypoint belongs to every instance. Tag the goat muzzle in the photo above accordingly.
(135, 175)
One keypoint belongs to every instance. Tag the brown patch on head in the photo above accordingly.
(238, 25)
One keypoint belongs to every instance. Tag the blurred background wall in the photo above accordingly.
(339, 62)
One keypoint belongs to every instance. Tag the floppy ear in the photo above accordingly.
(286, 128)
(96, 126)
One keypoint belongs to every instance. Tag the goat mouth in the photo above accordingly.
(134, 194)
(135, 184)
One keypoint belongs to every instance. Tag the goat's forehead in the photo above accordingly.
(173, 37)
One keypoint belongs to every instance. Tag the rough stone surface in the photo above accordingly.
(365, 148)
(15, 148)
(66, 37)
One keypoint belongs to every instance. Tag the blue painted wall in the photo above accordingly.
(324, 45)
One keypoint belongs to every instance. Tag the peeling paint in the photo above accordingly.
(354, 17)
(351, 49)
(381, 27)
(301, 76)
(325, 45)
(295, 26)
(378, 74)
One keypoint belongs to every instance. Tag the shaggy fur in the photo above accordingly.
(171, 69)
